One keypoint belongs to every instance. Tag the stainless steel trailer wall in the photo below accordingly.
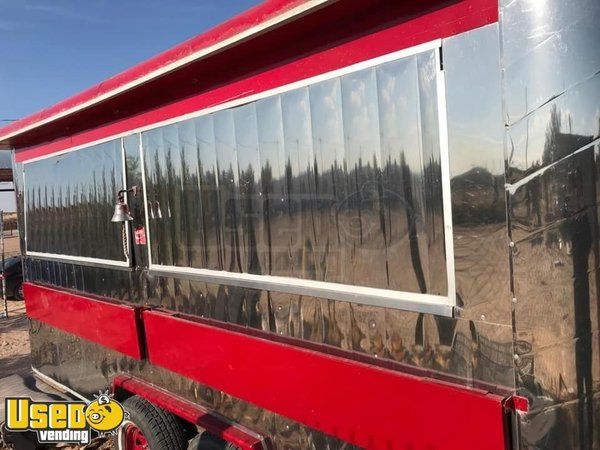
(551, 83)
(475, 348)
(523, 128)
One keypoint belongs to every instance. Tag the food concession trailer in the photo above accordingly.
(329, 224)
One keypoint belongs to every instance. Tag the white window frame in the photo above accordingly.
(74, 258)
(411, 301)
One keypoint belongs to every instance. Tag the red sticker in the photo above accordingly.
(140, 235)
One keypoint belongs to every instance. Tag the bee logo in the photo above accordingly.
(104, 414)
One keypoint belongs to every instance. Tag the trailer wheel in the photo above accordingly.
(149, 428)
(18, 292)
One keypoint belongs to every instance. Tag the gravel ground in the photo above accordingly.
(14, 341)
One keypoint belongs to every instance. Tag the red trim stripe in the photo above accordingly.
(114, 326)
(367, 406)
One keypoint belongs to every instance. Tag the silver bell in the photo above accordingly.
(121, 212)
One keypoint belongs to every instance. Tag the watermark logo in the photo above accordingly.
(105, 414)
(65, 422)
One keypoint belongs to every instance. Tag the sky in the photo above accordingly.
(52, 49)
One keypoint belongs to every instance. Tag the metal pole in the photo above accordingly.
(2, 251)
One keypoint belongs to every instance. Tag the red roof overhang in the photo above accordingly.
(267, 15)
(270, 34)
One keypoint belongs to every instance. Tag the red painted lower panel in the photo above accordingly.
(111, 325)
(368, 406)
(191, 412)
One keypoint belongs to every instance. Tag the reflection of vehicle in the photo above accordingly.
(13, 270)
(288, 259)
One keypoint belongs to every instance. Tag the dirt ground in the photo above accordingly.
(14, 341)
(14, 335)
(11, 245)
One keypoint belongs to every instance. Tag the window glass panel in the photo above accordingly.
(272, 160)
(248, 163)
(212, 254)
(402, 168)
(158, 197)
(173, 179)
(330, 179)
(229, 193)
(191, 218)
(363, 243)
(70, 203)
(297, 144)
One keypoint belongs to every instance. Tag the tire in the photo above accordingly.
(18, 292)
(159, 429)
(206, 441)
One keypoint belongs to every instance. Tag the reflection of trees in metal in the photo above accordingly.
(559, 197)
(329, 212)
(477, 197)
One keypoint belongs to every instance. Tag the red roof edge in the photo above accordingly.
(243, 22)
